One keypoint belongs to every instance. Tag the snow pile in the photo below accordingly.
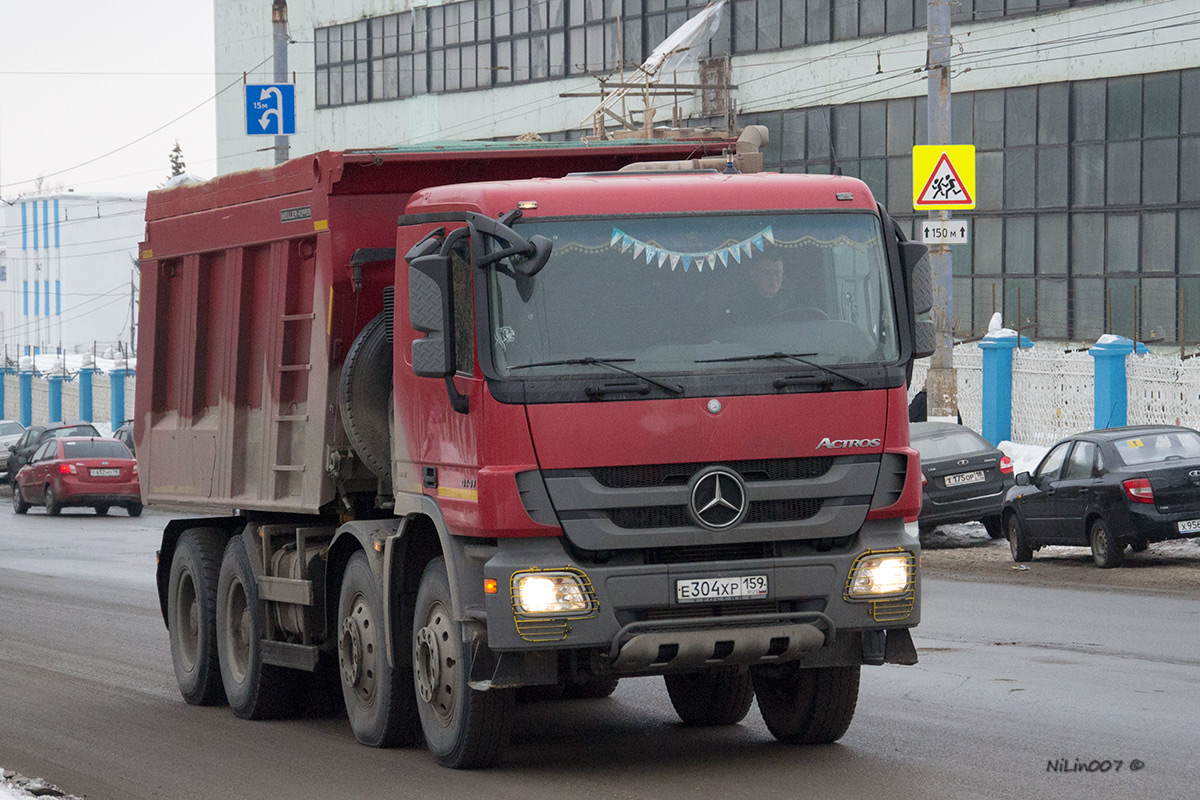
(18, 787)
(1025, 457)
(996, 328)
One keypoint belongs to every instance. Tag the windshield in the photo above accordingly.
(95, 449)
(664, 293)
(8, 428)
(937, 447)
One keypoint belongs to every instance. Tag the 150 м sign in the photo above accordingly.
(270, 109)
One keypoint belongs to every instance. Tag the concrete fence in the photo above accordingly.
(73, 403)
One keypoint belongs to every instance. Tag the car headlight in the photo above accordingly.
(880, 574)
(551, 593)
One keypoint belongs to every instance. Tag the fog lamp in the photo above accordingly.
(550, 593)
(880, 575)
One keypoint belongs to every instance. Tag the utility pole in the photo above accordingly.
(280, 37)
(942, 383)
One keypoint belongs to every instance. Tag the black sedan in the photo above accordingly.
(965, 477)
(1108, 489)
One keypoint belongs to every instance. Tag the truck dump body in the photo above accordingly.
(249, 304)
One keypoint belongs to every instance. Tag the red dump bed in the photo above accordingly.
(248, 305)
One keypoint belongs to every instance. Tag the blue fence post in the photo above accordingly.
(85, 388)
(25, 391)
(117, 387)
(997, 350)
(1111, 398)
(56, 382)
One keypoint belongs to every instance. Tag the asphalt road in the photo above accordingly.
(1012, 678)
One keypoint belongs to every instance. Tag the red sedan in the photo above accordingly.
(79, 471)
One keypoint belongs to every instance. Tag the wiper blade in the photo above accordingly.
(611, 363)
(801, 358)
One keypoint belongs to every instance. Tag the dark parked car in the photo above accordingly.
(1108, 489)
(124, 434)
(36, 435)
(75, 471)
(965, 477)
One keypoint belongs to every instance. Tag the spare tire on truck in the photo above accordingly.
(363, 393)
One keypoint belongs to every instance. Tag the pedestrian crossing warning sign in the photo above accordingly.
(943, 177)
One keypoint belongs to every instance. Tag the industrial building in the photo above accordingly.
(68, 273)
(1085, 115)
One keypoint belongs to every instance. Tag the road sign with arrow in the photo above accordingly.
(270, 109)
(951, 231)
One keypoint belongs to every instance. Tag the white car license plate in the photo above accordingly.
(963, 478)
(697, 590)
(1189, 526)
(105, 473)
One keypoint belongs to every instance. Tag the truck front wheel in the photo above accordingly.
(379, 699)
(806, 706)
(464, 728)
(192, 616)
(711, 697)
(255, 690)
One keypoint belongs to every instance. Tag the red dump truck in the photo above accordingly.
(494, 415)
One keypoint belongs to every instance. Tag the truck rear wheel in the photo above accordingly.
(255, 690)
(596, 687)
(379, 699)
(192, 616)
(464, 728)
(807, 706)
(712, 697)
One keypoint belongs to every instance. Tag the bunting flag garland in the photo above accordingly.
(708, 259)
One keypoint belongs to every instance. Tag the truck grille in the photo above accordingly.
(762, 469)
(639, 518)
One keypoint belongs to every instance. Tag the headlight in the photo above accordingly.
(876, 575)
(551, 593)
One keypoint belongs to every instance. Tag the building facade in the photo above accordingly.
(68, 274)
(1085, 115)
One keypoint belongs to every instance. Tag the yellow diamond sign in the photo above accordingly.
(943, 177)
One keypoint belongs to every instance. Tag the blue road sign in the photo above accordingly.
(270, 109)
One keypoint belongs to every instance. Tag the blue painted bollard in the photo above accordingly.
(997, 350)
(1112, 392)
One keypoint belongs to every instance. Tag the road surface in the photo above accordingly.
(1014, 683)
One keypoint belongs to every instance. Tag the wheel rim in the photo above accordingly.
(187, 619)
(237, 637)
(1013, 534)
(357, 658)
(49, 498)
(435, 665)
(1100, 542)
(16, 496)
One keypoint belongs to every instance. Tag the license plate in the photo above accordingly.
(963, 478)
(697, 590)
(1189, 526)
(105, 473)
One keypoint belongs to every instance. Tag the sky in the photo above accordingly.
(80, 79)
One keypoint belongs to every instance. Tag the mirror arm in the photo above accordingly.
(458, 401)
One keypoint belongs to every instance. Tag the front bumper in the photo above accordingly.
(637, 626)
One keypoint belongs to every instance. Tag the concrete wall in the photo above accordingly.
(101, 401)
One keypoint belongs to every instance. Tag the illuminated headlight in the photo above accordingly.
(878, 575)
(550, 593)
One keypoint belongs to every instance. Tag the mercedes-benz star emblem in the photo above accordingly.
(718, 498)
(714, 406)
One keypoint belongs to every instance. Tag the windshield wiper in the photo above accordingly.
(801, 358)
(611, 363)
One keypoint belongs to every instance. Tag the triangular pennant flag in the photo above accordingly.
(651, 252)
(626, 243)
(617, 234)
(769, 234)
(712, 261)
(662, 258)
(736, 252)
(746, 246)
(687, 262)
(674, 261)
(724, 254)
(637, 251)
(758, 243)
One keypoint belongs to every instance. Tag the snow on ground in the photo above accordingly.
(18, 787)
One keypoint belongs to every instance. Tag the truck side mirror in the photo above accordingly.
(431, 313)
(918, 274)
